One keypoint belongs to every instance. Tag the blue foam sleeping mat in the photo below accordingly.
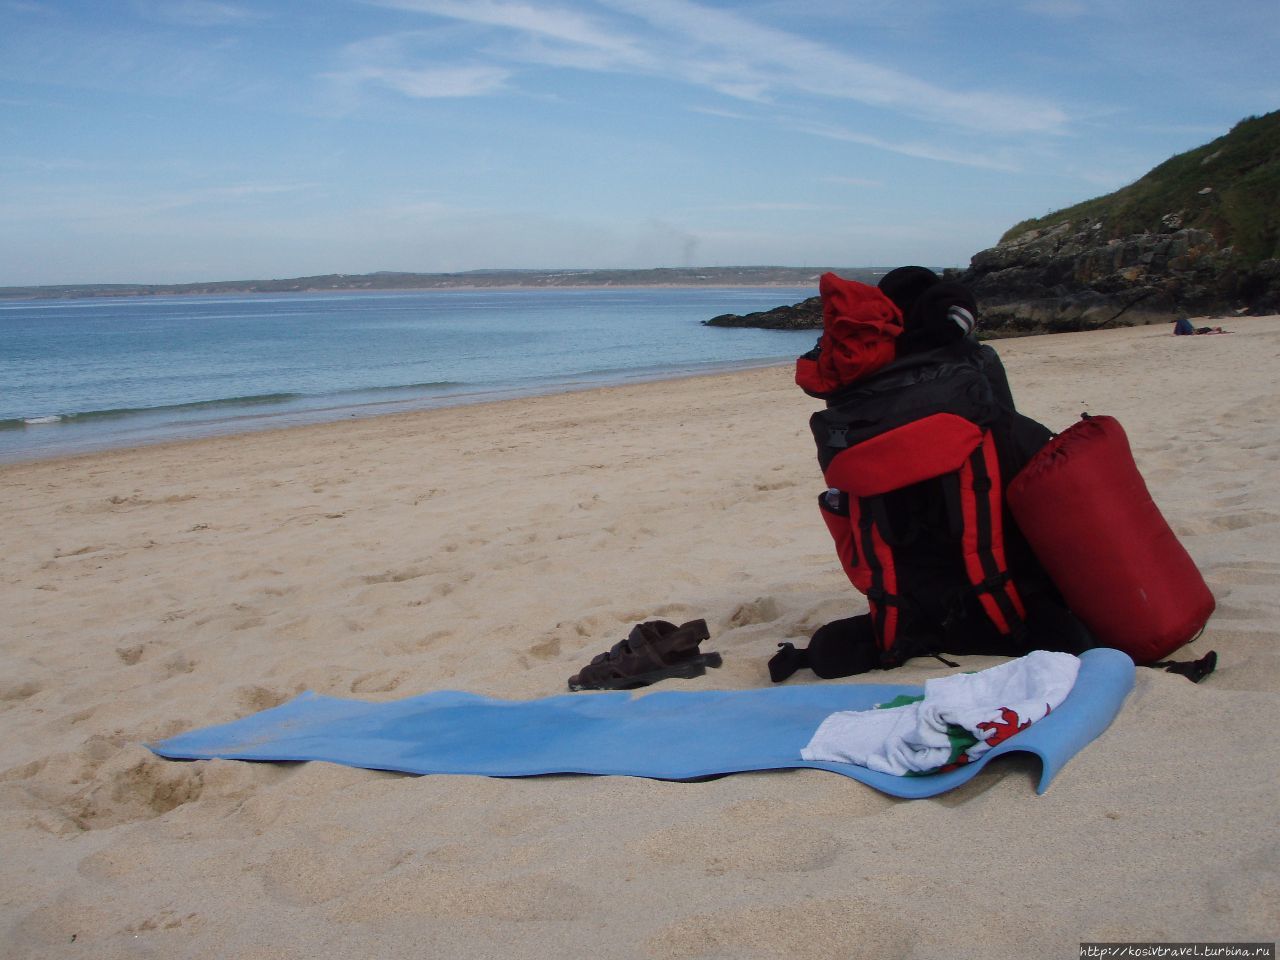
(664, 735)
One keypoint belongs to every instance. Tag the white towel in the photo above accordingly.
(959, 718)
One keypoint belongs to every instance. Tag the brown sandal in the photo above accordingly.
(654, 650)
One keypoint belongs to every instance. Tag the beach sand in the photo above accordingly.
(495, 549)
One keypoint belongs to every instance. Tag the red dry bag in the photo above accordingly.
(1087, 514)
(859, 326)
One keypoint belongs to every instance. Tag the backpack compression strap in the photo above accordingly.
(882, 593)
(855, 524)
(981, 504)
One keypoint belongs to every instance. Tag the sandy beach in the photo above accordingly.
(496, 548)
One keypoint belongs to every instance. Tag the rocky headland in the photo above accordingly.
(805, 315)
(1198, 235)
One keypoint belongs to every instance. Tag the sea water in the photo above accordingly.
(78, 375)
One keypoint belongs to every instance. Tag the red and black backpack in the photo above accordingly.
(916, 453)
(916, 461)
(918, 445)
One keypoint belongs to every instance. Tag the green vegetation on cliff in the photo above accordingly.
(1229, 187)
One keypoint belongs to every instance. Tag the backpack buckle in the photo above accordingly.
(879, 596)
(993, 583)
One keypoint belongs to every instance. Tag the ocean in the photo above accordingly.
(92, 374)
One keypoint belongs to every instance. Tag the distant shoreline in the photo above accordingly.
(666, 277)
(781, 285)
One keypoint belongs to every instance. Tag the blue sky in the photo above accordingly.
(180, 140)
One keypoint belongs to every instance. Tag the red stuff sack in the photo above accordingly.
(859, 327)
(1086, 511)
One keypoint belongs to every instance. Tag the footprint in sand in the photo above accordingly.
(79, 552)
(177, 664)
(1233, 612)
(770, 487)
(759, 610)
(547, 648)
(395, 576)
(164, 920)
(675, 612)
(303, 874)
(1224, 521)
(457, 896)
(409, 646)
(13, 690)
(1246, 573)
(132, 654)
(586, 627)
(442, 590)
(380, 681)
(837, 927)
(134, 785)
(253, 699)
(1241, 521)
(721, 848)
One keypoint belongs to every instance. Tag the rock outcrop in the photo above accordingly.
(805, 315)
(1069, 277)
(1198, 234)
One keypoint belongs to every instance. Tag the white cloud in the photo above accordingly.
(433, 82)
(758, 59)
(392, 61)
(722, 51)
(766, 206)
(549, 22)
(200, 13)
(717, 112)
(924, 151)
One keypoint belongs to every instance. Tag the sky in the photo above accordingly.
(168, 141)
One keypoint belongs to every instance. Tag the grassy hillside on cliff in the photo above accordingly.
(1230, 187)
